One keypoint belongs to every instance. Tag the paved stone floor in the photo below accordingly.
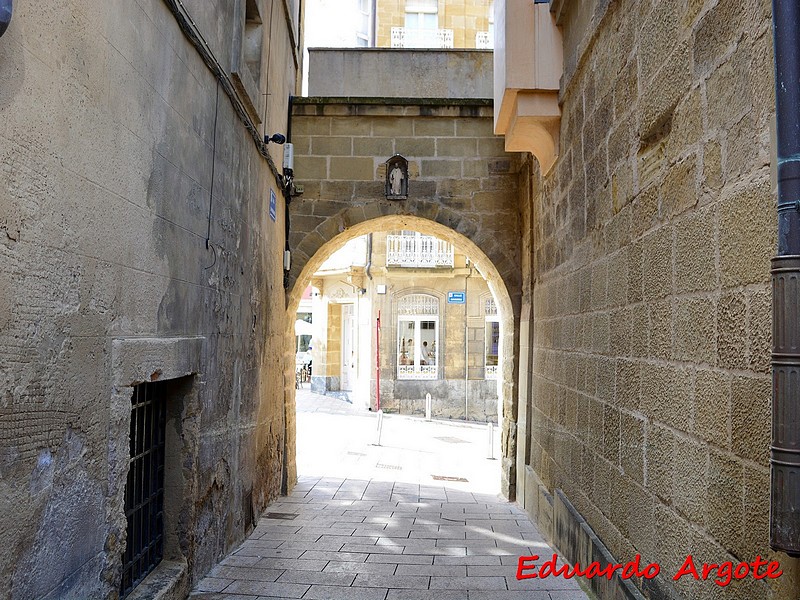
(375, 522)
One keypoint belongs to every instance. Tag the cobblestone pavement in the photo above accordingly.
(369, 522)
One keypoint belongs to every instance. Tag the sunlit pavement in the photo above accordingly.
(416, 517)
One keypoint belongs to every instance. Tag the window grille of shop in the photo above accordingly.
(144, 492)
(418, 304)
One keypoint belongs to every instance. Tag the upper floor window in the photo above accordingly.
(364, 32)
(417, 337)
(422, 15)
(422, 27)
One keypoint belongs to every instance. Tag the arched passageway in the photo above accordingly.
(499, 283)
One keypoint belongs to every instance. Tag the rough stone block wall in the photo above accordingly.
(652, 235)
(459, 173)
(107, 127)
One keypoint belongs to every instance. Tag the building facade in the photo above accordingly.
(142, 268)
(434, 24)
(436, 315)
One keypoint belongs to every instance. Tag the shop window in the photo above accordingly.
(418, 337)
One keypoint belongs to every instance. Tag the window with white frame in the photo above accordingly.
(491, 339)
(417, 337)
(364, 32)
(421, 24)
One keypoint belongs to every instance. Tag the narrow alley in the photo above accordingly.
(417, 517)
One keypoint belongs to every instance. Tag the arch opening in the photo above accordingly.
(502, 323)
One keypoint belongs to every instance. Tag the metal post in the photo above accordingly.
(491, 440)
(785, 448)
(427, 407)
(466, 346)
(380, 428)
(378, 363)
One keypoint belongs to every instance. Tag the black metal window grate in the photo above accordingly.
(144, 492)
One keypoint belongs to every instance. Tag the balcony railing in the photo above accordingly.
(421, 38)
(421, 372)
(418, 251)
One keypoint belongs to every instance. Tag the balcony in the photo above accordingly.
(418, 251)
(484, 40)
(403, 37)
(528, 63)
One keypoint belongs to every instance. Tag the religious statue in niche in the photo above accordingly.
(396, 178)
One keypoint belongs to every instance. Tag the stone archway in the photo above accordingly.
(448, 225)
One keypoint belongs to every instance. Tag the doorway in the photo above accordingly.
(348, 348)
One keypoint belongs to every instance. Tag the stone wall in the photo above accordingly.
(398, 73)
(463, 188)
(650, 388)
(118, 268)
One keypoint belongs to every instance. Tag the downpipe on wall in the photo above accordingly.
(785, 447)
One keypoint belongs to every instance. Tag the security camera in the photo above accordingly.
(276, 138)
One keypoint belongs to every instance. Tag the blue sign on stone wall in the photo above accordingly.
(273, 205)
(456, 297)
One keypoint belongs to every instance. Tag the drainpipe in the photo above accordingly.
(369, 256)
(466, 344)
(288, 185)
(785, 449)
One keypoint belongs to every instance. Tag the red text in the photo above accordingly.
(724, 572)
(594, 569)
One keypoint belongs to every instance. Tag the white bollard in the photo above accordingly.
(491, 440)
(380, 427)
(427, 407)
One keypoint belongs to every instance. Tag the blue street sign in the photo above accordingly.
(273, 205)
(456, 297)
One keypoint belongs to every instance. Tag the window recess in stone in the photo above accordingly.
(248, 44)
(144, 492)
